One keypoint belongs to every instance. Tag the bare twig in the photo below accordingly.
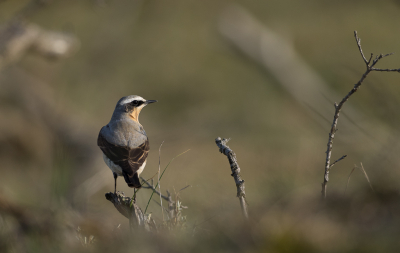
(360, 49)
(341, 158)
(386, 70)
(224, 149)
(338, 107)
(184, 188)
(150, 186)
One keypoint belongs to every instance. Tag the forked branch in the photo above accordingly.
(338, 107)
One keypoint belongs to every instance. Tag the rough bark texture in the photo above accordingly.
(224, 149)
(129, 209)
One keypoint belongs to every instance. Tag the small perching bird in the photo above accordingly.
(124, 142)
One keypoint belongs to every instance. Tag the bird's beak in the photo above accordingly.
(150, 101)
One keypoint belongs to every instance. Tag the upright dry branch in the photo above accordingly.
(224, 149)
(338, 108)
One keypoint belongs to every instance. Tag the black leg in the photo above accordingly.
(134, 195)
(115, 179)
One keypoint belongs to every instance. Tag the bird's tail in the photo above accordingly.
(133, 181)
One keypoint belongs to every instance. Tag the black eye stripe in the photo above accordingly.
(137, 103)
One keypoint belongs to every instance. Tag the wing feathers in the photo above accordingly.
(129, 159)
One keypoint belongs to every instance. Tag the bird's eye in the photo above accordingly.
(135, 102)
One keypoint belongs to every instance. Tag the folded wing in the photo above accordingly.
(129, 159)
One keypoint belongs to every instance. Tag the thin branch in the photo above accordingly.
(187, 186)
(341, 158)
(370, 59)
(339, 106)
(150, 186)
(386, 70)
(360, 49)
(224, 149)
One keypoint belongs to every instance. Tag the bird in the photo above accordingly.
(124, 142)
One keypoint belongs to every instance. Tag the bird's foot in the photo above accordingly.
(134, 196)
(115, 182)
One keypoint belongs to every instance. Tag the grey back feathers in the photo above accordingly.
(124, 132)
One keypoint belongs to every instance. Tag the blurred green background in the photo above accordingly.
(52, 110)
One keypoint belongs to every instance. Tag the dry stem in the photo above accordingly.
(173, 205)
(338, 107)
(224, 149)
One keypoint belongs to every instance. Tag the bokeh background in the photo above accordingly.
(53, 178)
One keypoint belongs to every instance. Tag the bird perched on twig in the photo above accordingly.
(124, 142)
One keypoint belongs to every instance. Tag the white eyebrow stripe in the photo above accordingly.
(127, 101)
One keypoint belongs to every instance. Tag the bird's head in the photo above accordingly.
(132, 105)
